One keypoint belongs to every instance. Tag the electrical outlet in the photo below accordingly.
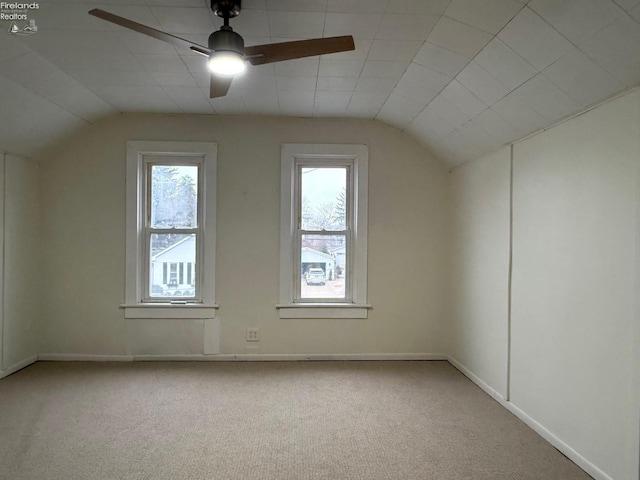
(253, 334)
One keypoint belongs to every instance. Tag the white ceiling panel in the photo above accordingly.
(488, 15)
(479, 82)
(356, 6)
(392, 70)
(577, 19)
(394, 50)
(421, 84)
(616, 48)
(627, 4)
(296, 25)
(427, 66)
(440, 59)
(500, 129)
(581, 78)
(504, 64)
(336, 84)
(398, 111)
(534, 39)
(359, 25)
(406, 26)
(462, 98)
(445, 108)
(546, 98)
(458, 37)
(515, 112)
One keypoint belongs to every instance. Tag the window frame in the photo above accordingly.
(149, 161)
(323, 155)
(137, 303)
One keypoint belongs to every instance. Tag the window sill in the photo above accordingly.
(323, 310)
(170, 311)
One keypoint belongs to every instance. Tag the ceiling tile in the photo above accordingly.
(11, 47)
(250, 23)
(183, 79)
(297, 5)
(504, 64)
(394, 50)
(162, 63)
(93, 79)
(463, 99)
(189, 99)
(357, 6)
(105, 61)
(366, 105)
(488, 15)
(393, 70)
(475, 79)
(359, 25)
(497, 127)
(296, 83)
(406, 26)
(534, 39)
(340, 68)
(581, 78)
(635, 13)
(458, 37)
(261, 85)
(297, 24)
(546, 98)
(577, 19)
(360, 53)
(337, 84)
(426, 7)
(82, 103)
(431, 125)
(627, 4)
(398, 111)
(477, 137)
(302, 67)
(616, 48)
(375, 84)
(443, 107)
(440, 59)
(421, 84)
(518, 114)
(180, 20)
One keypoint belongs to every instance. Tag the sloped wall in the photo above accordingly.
(574, 333)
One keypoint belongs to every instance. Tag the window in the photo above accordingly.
(323, 244)
(170, 230)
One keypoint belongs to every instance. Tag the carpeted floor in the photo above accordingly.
(246, 421)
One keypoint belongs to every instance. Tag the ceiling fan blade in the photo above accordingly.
(219, 86)
(152, 32)
(277, 52)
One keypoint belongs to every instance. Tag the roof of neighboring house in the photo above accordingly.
(168, 249)
(317, 252)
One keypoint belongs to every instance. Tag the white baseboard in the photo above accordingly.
(18, 366)
(264, 357)
(540, 429)
(290, 357)
(80, 357)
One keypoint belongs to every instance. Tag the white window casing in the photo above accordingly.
(355, 158)
(139, 303)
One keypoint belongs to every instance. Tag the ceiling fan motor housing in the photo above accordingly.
(226, 40)
(226, 8)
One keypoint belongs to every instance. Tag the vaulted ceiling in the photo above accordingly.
(462, 76)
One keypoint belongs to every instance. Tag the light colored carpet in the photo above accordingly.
(245, 421)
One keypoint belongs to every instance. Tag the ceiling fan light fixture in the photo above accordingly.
(226, 63)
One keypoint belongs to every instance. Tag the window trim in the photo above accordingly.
(135, 306)
(357, 155)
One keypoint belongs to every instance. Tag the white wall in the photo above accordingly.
(480, 193)
(20, 266)
(574, 317)
(83, 201)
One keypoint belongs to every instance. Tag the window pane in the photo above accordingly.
(323, 198)
(171, 256)
(174, 193)
(323, 266)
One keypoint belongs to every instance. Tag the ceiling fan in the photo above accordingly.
(226, 51)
